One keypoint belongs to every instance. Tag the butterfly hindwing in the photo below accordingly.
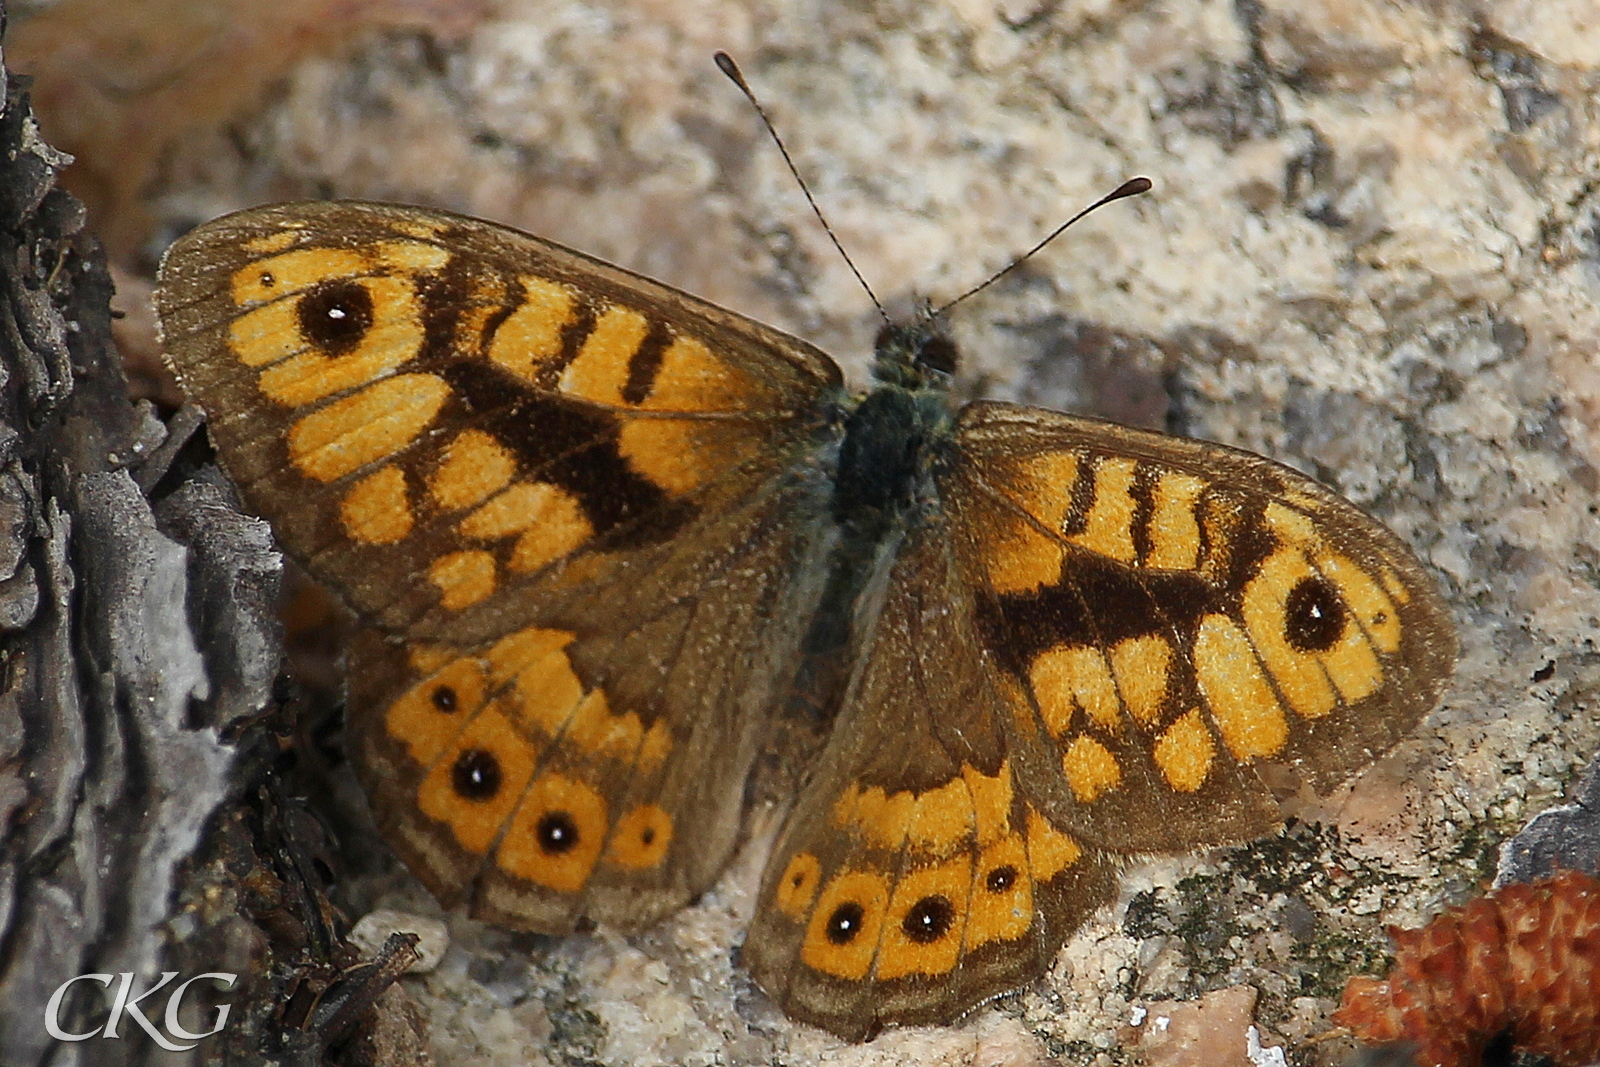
(916, 878)
(590, 763)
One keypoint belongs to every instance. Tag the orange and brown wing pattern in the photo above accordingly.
(917, 877)
(590, 762)
(1082, 651)
(450, 407)
(1173, 612)
(569, 499)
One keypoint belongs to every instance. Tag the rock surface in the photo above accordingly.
(1373, 252)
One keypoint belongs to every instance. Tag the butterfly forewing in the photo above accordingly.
(564, 495)
(1174, 613)
(440, 408)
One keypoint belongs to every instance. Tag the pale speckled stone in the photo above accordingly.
(1562, 31)
(1371, 253)
(374, 928)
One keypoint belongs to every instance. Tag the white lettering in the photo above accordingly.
(176, 1001)
(123, 1003)
(52, 1010)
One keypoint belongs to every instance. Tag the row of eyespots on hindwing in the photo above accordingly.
(971, 857)
(518, 756)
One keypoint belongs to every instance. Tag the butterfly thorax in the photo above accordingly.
(896, 433)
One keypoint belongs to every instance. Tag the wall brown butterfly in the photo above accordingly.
(596, 528)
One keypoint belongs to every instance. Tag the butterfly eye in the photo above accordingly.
(891, 337)
(1313, 617)
(938, 353)
(476, 774)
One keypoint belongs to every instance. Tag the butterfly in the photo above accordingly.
(604, 537)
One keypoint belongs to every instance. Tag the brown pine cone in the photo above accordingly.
(1523, 959)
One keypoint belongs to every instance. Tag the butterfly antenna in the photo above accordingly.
(1131, 187)
(726, 64)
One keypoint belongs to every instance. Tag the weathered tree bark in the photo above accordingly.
(133, 639)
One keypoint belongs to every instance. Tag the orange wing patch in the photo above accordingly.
(926, 920)
(531, 336)
(374, 424)
(641, 838)
(1108, 524)
(473, 468)
(557, 834)
(1184, 752)
(486, 728)
(842, 937)
(463, 578)
(797, 886)
(603, 365)
(1237, 691)
(967, 869)
(377, 509)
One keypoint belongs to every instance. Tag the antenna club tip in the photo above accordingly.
(726, 64)
(1133, 187)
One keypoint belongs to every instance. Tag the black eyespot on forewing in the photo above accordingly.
(1314, 617)
(444, 699)
(556, 833)
(928, 920)
(476, 775)
(845, 923)
(1000, 879)
(335, 315)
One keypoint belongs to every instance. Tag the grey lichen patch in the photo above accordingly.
(1293, 916)
(1089, 1054)
(1297, 882)
(1331, 958)
(574, 1028)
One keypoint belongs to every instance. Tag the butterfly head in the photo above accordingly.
(915, 355)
